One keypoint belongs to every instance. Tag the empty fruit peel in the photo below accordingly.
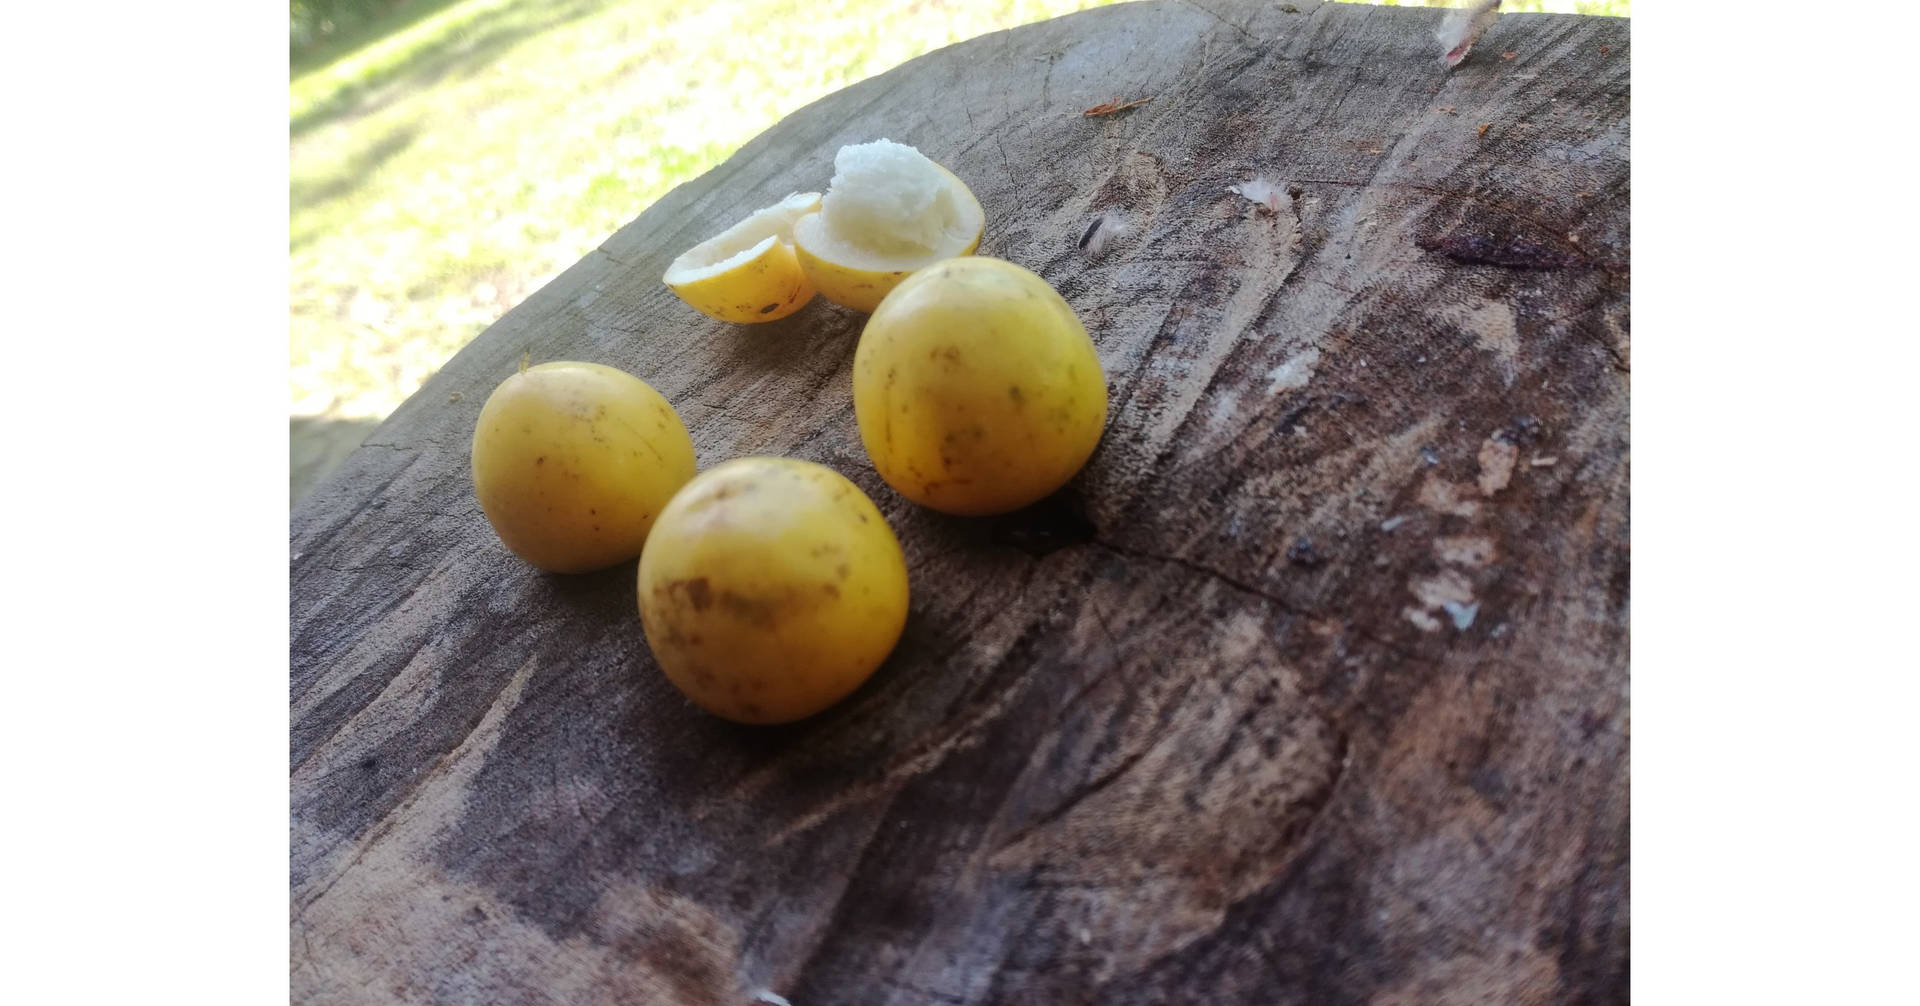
(748, 273)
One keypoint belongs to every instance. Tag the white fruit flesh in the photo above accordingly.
(889, 206)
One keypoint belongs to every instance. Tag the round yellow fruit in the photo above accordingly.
(573, 463)
(747, 273)
(889, 211)
(772, 588)
(976, 388)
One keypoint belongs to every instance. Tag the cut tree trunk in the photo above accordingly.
(1312, 688)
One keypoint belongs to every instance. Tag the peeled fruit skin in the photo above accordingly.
(747, 273)
(573, 463)
(768, 287)
(976, 388)
(772, 588)
(859, 289)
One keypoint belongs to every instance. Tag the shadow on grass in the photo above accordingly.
(304, 194)
(317, 446)
(464, 51)
(399, 16)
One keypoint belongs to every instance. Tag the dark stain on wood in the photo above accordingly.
(1502, 250)
(1053, 523)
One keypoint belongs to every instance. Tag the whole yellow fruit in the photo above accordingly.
(772, 588)
(976, 388)
(573, 463)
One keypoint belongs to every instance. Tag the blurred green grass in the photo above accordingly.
(444, 171)
(451, 156)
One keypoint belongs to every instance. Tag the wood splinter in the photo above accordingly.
(1113, 106)
(1102, 231)
(1463, 27)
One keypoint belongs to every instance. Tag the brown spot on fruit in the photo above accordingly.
(699, 592)
(770, 308)
(830, 590)
(541, 460)
(748, 609)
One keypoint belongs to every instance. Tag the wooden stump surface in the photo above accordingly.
(1312, 688)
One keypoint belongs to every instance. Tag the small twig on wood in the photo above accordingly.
(1113, 106)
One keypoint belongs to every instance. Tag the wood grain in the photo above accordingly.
(1313, 688)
